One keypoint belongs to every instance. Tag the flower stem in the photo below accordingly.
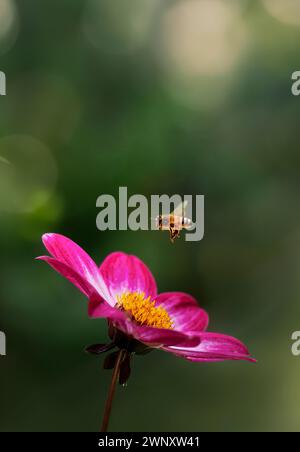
(111, 392)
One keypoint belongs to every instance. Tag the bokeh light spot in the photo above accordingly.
(119, 26)
(202, 41)
(31, 171)
(287, 11)
(203, 36)
(9, 24)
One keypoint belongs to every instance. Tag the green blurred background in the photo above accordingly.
(162, 96)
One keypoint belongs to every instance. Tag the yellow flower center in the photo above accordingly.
(143, 310)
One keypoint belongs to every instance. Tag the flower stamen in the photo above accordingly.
(143, 310)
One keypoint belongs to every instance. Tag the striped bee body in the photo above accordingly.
(174, 224)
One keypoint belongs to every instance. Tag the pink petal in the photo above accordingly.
(214, 347)
(184, 311)
(69, 253)
(159, 337)
(124, 273)
(66, 271)
(155, 337)
(99, 309)
(120, 319)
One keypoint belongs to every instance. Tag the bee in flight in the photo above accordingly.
(174, 222)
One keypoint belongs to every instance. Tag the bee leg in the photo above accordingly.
(174, 233)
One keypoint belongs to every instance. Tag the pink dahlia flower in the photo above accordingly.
(123, 291)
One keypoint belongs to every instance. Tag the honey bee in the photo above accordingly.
(174, 222)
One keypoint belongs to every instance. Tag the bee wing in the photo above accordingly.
(180, 209)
